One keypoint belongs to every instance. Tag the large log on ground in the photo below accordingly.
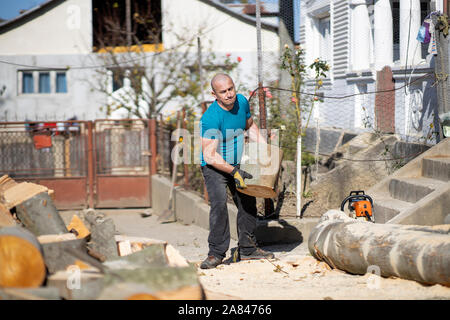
(417, 253)
(59, 255)
(39, 215)
(143, 275)
(148, 274)
(77, 284)
(152, 283)
(21, 259)
(42, 293)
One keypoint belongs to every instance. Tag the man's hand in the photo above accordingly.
(239, 176)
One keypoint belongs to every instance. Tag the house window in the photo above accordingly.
(61, 85)
(117, 79)
(27, 83)
(324, 43)
(44, 82)
(112, 19)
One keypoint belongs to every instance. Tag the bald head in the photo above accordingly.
(219, 77)
(223, 90)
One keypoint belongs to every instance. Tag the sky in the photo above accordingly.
(10, 9)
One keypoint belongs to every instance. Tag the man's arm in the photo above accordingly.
(253, 132)
(211, 157)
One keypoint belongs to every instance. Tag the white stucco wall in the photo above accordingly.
(226, 33)
(66, 29)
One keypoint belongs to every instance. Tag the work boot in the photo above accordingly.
(257, 255)
(210, 262)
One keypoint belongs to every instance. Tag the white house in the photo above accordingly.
(48, 58)
(358, 38)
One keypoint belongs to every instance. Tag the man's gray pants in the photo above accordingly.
(219, 228)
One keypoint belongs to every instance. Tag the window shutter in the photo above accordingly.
(341, 34)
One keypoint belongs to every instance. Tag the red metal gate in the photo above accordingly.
(122, 158)
(99, 164)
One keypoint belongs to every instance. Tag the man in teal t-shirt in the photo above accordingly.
(222, 129)
(228, 127)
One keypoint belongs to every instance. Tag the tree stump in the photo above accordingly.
(21, 261)
(419, 253)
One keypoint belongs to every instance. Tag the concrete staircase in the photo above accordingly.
(418, 193)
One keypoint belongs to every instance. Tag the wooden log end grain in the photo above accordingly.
(21, 262)
(259, 191)
(6, 218)
(142, 296)
(6, 183)
(79, 227)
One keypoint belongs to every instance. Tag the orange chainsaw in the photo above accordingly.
(360, 205)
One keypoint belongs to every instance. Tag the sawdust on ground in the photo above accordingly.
(302, 277)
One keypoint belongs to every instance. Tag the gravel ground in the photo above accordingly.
(293, 275)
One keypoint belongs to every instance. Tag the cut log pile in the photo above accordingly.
(42, 258)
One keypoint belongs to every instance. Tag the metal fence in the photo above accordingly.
(42, 149)
(105, 163)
